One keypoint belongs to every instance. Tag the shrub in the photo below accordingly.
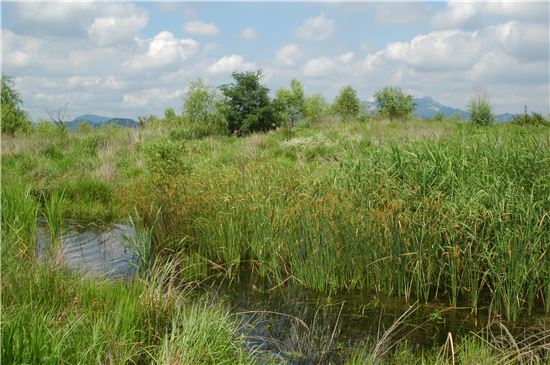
(347, 105)
(526, 119)
(394, 103)
(480, 109)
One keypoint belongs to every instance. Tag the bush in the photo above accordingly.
(480, 109)
(394, 103)
(347, 105)
(526, 119)
(247, 105)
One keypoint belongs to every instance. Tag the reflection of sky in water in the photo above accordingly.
(104, 251)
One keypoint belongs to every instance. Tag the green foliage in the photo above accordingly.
(480, 109)
(169, 114)
(529, 119)
(289, 103)
(248, 106)
(165, 158)
(394, 103)
(13, 117)
(315, 108)
(347, 104)
(203, 109)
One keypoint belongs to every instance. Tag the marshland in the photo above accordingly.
(245, 217)
(345, 240)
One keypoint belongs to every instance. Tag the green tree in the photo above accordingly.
(394, 103)
(203, 108)
(248, 107)
(289, 103)
(480, 108)
(14, 118)
(315, 108)
(347, 105)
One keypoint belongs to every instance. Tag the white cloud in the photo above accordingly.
(74, 19)
(346, 57)
(201, 28)
(165, 51)
(248, 33)
(289, 54)
(143, 98)
(318, 67)
(469, 15)
(316, 28)
(228, 64)
(113, 30)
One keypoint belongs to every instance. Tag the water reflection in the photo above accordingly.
(92, 250)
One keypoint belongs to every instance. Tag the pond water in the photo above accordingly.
(92, 250)
(287, 323)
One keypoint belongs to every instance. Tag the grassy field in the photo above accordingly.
(428, 211)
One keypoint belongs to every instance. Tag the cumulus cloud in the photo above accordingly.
(112, 30)
(75, 19)
(228, 64)
(328, 66)
(143, 98)
(316, 28)
(164, 51)
(248, 33)
(469, 15)
(289, 54)
(201, 28)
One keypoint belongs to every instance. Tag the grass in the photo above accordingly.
(424, 211)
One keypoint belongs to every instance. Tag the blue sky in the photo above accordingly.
(129, 59)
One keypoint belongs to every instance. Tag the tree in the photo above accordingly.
(480, 108)
(14, 118)
(203, 107)
(393, 103)
(289, 103)
(315, 108)
(347, 105)
(248, 106)
(59, 116)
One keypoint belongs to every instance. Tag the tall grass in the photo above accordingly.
(19, 212)
(462, 218)
(53, 213)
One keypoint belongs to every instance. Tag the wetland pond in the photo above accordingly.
(286, 323)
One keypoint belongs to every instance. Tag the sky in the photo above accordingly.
(129, 59)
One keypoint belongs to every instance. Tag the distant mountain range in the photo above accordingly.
(98, 121)
(427, 108)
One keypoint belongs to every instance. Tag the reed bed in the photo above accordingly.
(463, 217)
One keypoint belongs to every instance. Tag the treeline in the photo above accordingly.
(245, 106)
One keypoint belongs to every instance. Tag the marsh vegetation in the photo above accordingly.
(287, 195)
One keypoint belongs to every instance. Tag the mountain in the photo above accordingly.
(98, 121)
(91, 118)
(427, 108)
